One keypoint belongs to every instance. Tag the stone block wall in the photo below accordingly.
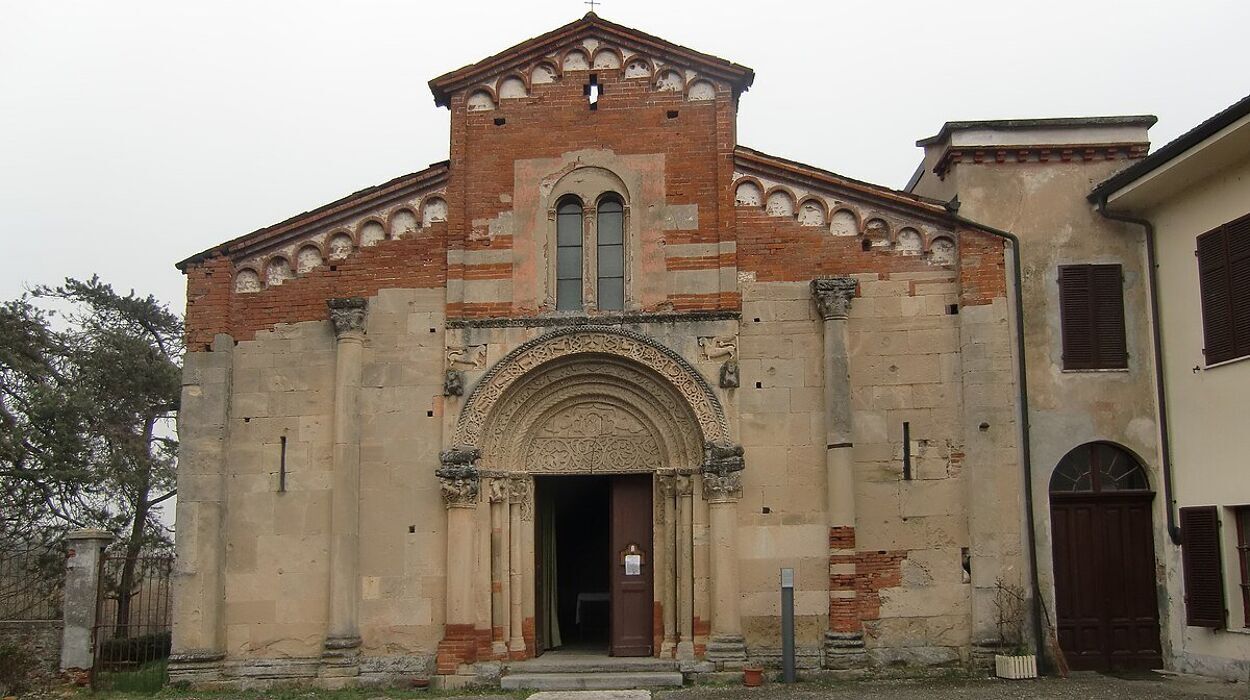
(42, 640)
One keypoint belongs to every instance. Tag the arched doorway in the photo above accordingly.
(1103, 537)
(596, 419)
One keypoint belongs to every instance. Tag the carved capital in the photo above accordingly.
(722, 487)
(497, 490)
(722, 471)
(833, 296)
(458, 477)
(683, 485)
(348, 315)
(667, 483)
(520, 489)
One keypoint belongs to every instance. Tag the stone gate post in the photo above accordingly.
(82, 584)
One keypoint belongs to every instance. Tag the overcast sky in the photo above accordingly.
(133, 134)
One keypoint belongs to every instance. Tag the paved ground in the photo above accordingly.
(1081, 686)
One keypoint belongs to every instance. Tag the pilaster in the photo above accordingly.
(340, 656)
(844, 639)
(722, 487)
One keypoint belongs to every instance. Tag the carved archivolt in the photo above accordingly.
(669, 380)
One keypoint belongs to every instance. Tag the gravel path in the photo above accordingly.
(1081, 686)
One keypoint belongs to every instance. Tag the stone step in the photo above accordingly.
(591, 681)
(553, 663)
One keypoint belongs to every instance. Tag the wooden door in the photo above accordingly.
(631, 562)
(1105, 596)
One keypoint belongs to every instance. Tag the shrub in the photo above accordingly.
(17, 666)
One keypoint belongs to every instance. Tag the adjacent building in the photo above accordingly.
(1191, 200)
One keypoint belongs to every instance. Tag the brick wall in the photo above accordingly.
(415, 262)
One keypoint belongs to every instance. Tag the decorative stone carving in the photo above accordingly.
(453, 383)
(497, 489)
(594, 437)
(722, 458)
(722, 471)
(729, 378)
(519, 490)
(347, 314)
(458, 476)
(685, 381)
(833, 296)
(555, 387)
(466, 357)
(683, 485)
(716, 347)
(721, 487)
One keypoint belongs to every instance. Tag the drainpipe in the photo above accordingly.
(1026, 447)
(1156, 336)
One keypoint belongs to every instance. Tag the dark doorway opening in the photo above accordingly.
(573, 562)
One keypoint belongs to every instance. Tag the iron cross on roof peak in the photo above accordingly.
(593, 4)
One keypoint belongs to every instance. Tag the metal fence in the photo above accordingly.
(132, 631)
(32, 579)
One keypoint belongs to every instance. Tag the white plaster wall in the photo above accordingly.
(1206, 407)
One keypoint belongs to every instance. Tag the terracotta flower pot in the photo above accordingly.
(752, 677)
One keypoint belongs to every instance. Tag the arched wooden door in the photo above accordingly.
(1103, 537)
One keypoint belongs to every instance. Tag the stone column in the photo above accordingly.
(200, 541)
(722, 487)
(500, 608)
(458, 477)
(340, 656)
(518, 501)
(666, 561)
(684, 485)
(82, 584)
(844, 642)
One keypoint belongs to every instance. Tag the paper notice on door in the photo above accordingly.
(633, 565)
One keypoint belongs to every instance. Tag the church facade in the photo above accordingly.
(593, 383)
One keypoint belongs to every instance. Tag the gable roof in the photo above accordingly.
(591, 25)
(1172, 149)
(400, 186)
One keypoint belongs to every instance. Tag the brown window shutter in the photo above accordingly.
(1239, 283)
(1075, 317)
(1217, 310)
(1107, 298)
(1204, 576)
(1091, 314)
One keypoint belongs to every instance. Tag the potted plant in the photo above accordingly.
(752, 675)
(1014, 660)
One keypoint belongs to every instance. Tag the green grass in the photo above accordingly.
(148, 679)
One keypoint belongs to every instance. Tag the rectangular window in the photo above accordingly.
(1224, 283)
(569, 256)
(1091, 312)
(1202, 565)
(1242, 515)
(611, 255)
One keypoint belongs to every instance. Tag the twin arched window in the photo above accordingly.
(605, 262)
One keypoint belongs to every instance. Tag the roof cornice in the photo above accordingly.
(1172, 149)
(740, 77)
(300, 223)
(1143, 120)
(766, 164)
